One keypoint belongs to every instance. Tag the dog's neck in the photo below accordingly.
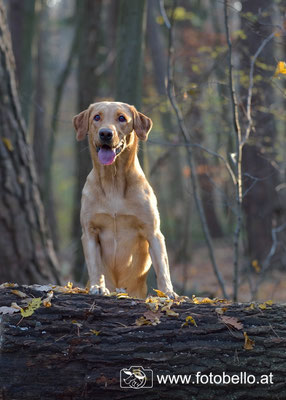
(115, 176)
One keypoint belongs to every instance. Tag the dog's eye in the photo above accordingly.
(122, 118)
(97, 117)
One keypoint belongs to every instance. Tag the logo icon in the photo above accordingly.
(136, 378)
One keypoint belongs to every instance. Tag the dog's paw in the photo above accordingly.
(101, 290)
(172, 295)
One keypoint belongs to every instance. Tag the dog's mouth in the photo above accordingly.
(107, 154)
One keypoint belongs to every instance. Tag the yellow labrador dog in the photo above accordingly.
(119, 215)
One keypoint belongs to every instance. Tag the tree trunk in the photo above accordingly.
(39, 129)
(88, 83)
(260, 177)
(130, 46)
(22, 17)
(75, 349)
(27, 253)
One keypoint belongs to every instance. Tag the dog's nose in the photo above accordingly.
(105, 135)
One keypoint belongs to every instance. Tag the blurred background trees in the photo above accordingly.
(71, 53)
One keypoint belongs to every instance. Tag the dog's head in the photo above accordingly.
(111, 126)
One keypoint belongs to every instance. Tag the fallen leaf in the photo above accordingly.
(153, 306)
(152, 316)
(122, 296)
(142, 321)
(8, 284)
(33, 305)
(95, 332)
(171, 313)
(43, 288)
(8, 310)
(189, 319)
(265, 305)
(78, 324)
(250, 308)
(262, 306)
(47, 300)
(202, 300)
(269, 302)
(15, 305)
(160, 293)
(19, 293)
(248, 343)
(232, 322)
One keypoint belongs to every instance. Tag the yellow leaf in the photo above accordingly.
(33, 305)
(95, 332)
(280, 69)
(78, 324)
(204, 300)
(189, 319)
(170, 313)
(250, 308)
(122, 296)
(263, 306)
(160, 293)
(167, 306)
(248, 343)
(8, 143)
(256, 265)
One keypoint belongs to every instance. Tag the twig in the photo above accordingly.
(268, 258)
(250, 88)
(190, 158)
(238, 169)
(199, 146)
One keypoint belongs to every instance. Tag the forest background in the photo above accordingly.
(211, 75)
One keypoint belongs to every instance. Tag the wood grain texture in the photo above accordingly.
(54, 354)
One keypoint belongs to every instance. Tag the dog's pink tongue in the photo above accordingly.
(106, 156)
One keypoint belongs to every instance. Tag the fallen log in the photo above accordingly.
(78, 346)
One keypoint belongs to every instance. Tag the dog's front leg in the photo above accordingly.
(160, 263)
(92, 253)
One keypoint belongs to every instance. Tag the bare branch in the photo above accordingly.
(199, 146)
(250, 88)
(239, 145)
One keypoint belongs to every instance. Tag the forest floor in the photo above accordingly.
(197, 277)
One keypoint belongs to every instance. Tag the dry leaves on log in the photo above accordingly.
(248, 343)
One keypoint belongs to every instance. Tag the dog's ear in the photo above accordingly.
(80, 123)
(142, 125)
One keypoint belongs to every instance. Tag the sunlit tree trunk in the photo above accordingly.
(26, 252)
